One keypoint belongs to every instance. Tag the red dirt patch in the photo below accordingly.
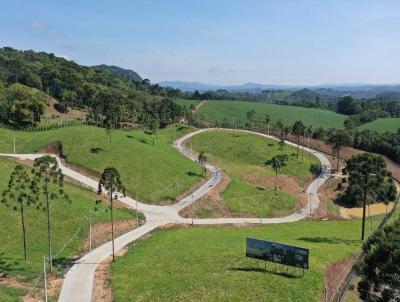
(101, 232)
(337, 271)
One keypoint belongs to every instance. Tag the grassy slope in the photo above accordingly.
(243, 156)
(382, 125)
(218, 110)
(209, 264)
(146, 170)
(187, 103)
(66, 220)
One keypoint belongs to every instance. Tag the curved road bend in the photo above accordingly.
(78, 282)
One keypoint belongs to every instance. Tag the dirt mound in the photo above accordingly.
(52, 148)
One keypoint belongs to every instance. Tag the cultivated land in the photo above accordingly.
(148, 171)
(187, 103)
(69, 229)
(209, 264)
(220, 110)
(251, 190)
(382, 125)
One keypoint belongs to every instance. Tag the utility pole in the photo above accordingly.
(137, 215)
(90, 230)
(45, 277)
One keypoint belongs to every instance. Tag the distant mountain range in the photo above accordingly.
(357, 90)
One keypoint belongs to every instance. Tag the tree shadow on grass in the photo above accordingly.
(330, 240)
(96, 150)
(267, 271)
(8, 264)
(191, 173)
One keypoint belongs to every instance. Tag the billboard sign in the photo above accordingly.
(276, 252)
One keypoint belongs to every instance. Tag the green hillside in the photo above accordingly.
(220, 110)
(209, 264)
(148, 170)
(382, 125)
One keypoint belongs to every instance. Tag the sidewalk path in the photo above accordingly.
(78, 282)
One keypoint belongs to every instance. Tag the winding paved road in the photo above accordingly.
(78, 282)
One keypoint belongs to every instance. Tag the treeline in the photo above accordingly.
(107, 98)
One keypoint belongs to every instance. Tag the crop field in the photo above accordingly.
(243, 157)
(229, 110)
(209, 264)
(69, 228)
(186, 103)
(382, 125)
(147, 170)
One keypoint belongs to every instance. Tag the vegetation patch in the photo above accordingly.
(148, 164)
(382, 125)
(243, 157)
(70, 224)
(235, 112)
(209, 264)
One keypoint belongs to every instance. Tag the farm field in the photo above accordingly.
(251, 190)
(187, 103)
(147, 170)
(382, 125)
(220, 110)
(69, 228)
(209, 264)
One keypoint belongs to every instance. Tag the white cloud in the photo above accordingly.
(37, 24)
(221, 70)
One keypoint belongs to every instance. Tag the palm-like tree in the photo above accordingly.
(19, 195)
(110, 181)
(109, 131)
(337, 140)
(267, 121)
(277, 162)
(202, 158)
(48, 181)
(298, 130)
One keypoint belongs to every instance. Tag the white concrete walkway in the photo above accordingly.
(78, 282)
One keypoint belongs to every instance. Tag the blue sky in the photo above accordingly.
(225, 42)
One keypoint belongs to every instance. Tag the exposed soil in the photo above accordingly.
(72, 114)
(373, 209)
(327, 193)
(345, 153)
(101, 232)
(337, 271)
(102, 290)
(211, 202)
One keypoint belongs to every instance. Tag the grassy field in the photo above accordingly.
(209, 264)
(69, 225)
(382, 125)
(243, 157)
(187, 103)
(220, 110)
(8, 294)
(147, 170)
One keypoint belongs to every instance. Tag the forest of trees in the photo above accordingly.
(106, 97)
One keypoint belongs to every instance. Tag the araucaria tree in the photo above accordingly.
(368, 181)
(110, 181)
(18, 194)
(109, 131)
(298, 130)
(251, 115)
(202, 158)
(337, 140)
(379, 267)
(277, 162)
(267, 121)
(48, 181)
